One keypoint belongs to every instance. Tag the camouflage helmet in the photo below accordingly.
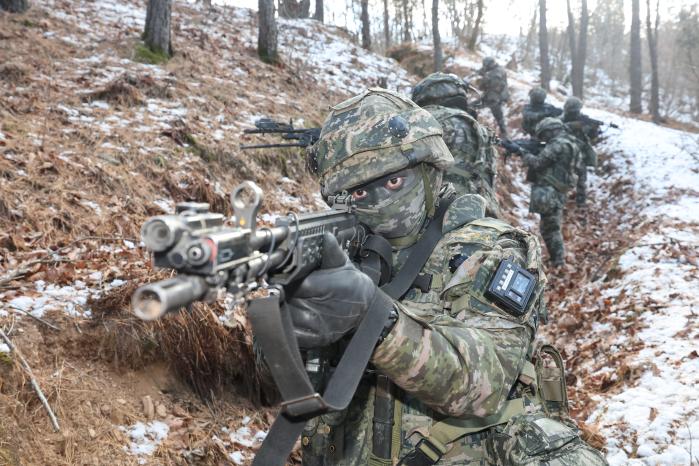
(439, 86)
(537, 95)
(374, 134)
(548, 124)
(572, 105)
(488, 62)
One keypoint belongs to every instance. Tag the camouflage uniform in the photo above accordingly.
(536, 110)
(588, 155)
(552, 173)
(452, 351)
(445, 96)
(493, 85)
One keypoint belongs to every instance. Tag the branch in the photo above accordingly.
(35, 384)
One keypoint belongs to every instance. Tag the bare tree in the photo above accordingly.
(366, 31)
(579, 81)
(652, 33)
(544, 47)
(436, 39)
(476, 26)
(635, 65)
(158, 26)
(294, 8)
(386, 30)
(407, 20)
(319, 14)
(14, 6)
(267, 32)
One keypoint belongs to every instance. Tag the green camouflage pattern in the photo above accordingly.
(534, 440)
(449, 355)
(572, 105)
(537, 95)
(548, 124)
(471, 145)
(494, 92)
(357, 144)
(553, 172)
(462, 210)
(404, 215)
(588, 158)
(439, 86)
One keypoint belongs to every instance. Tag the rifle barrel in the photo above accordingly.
(265, 146)
(265, 131)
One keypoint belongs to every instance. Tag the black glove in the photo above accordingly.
(331, 301)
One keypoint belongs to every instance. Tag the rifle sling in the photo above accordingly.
(274, 333)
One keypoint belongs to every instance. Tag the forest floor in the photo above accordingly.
(93, 142)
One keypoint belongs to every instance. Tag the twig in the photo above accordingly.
(35, 384)
(48, 324)
(28, 267)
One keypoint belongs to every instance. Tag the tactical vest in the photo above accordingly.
(562, 173)
(482, 160)
(345, 438)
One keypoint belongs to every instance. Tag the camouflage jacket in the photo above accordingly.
(533, 114)
(452, 352)
(557, 164)
(493, 85)
(582, 125)
(470, 143)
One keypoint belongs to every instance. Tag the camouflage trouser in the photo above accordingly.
(581, 189)
(496, 110)
(550, 228)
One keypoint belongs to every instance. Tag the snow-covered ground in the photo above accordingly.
(654, 420)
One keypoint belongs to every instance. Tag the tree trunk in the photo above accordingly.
(652, 33)
(14, 6)
(158, 24)
(267, 32)
(544, 47)
(635, 65)
(436, 40)
(572, 46)
(407, 21)
(294, 9)
(386, 30)
(319, 14)
(476, 27)
(366, 32)
(579, 81)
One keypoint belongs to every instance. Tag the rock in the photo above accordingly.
(92, 432)
(148, 408)
(161, 410)
(121, 401)
(106, 410)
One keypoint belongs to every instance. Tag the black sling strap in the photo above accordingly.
(274, 332)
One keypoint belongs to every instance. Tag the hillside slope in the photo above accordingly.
(93, 142)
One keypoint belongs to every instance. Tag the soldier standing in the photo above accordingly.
(452, 382)
(552, 173)
(493, 86)
(536, 110)
(582, 130)
(445, 96)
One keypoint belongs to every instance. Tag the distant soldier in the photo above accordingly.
(582, 130)
(536, 110)
(445, 96)
(493, 85)
(552, 173)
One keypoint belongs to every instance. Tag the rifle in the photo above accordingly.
(586, 120)
(210, 256)
(305, 136)
(519, 146)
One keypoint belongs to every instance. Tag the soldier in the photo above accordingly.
(581, 129)
(578, 121)
(493, 85)
(445, 96)
(536, 110)
(552, 173)
(452, 382)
